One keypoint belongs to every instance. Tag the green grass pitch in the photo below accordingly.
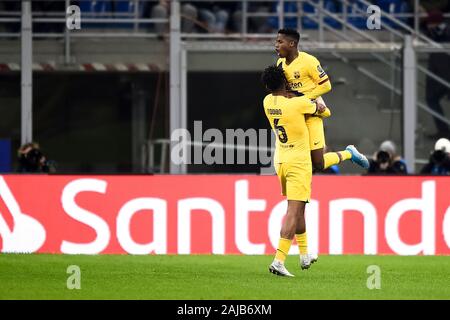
(217, 277)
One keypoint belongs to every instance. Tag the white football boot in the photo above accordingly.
(314, 257)
(306, 260)
(278, 268)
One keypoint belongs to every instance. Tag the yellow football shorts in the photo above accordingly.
(295, 179)
(316, 132)
(315, 129)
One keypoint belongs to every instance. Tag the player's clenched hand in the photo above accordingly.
(322, 110)
(320, 107)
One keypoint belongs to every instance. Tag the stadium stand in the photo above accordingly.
(352, 59)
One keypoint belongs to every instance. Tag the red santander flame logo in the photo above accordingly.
(27, 234)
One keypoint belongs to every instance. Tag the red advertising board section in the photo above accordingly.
(221, 214)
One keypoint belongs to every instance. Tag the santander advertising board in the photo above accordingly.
(218, 214)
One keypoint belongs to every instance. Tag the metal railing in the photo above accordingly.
(106, 20)
(424, 46)
(113, 19)
(151, 164)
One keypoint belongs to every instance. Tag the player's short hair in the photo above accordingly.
(291, 33)
(273, 78)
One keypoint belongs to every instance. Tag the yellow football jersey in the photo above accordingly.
(286, 117)
(303, 74)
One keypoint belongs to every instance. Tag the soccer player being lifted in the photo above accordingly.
(305, 76)
(292, 162)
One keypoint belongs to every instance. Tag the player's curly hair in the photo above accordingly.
(273, 78)
(291, 33)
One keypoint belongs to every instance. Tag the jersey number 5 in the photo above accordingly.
(282, 135)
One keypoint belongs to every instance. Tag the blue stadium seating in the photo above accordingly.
(92, 8)
(394, 7)
(329, 5)
(333, 7)
(117, 8)
(122, 9)
(357, 8)
(307, 23)
(291, 22)
(95, 6)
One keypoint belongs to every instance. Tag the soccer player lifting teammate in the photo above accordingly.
(292, 162)
(305, 76)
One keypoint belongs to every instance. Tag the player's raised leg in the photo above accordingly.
(323, 161)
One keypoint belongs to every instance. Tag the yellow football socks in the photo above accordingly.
(346, 155)
(283, 249)
(302, 242)
(332, 158)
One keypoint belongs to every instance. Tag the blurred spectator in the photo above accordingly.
(439, 162)
(161, 11)
(205, 16)
(213, 17)
(31, 159)
(430, 5)
(254, 24)
(427, 6)
(439, 64)
(234, 12)
(260, 24)
(386, 160)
